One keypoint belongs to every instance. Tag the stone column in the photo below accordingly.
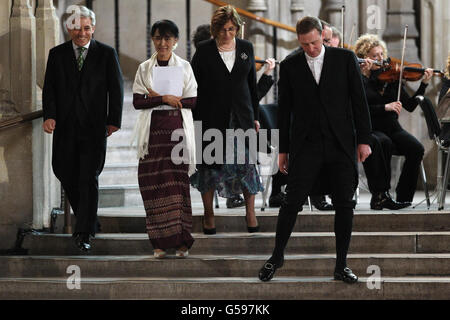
(23, 56)
(47, 36)
(17, 186)
(297, 10)
(259, 33)
(399, 14)
(255, 31)
(5, 81)
(332, 9)
(46, 188)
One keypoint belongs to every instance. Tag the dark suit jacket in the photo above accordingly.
(220, 92)
(341, 93)
(99, 85)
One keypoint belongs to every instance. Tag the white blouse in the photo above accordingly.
(228, 58)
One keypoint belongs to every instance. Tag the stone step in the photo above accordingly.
(227, 288)
(125, 173)
(121, 138)
(245, 243)
(132, 220)
(120, 154)
(119, 195)
(390, 265)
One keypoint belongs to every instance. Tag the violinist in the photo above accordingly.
(384, 112)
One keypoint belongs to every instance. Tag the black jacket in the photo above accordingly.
(382, 120)
(99, 87)
(344, 101)
(220, 92)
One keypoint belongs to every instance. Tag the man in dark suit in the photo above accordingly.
(82, 103)
(324, 127)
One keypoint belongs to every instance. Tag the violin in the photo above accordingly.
(411, 71)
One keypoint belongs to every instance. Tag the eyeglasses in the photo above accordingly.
(230, 29)
(327, 41)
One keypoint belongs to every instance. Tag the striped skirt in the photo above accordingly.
(164, 186)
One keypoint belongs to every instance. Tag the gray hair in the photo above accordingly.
(77, 12)
(336, 33)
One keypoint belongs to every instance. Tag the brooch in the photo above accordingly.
(244, 56)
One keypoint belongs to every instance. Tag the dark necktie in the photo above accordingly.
(80, 59)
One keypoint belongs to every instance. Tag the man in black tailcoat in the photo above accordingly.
(324, 128)
(82, 104)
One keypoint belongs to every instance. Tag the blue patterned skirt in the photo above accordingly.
(230, 180)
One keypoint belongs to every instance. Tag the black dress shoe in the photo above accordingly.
(382, 200)
(346, 275)
(83, 242)
(275, 200)
(268, 270)
(321, 204)
(235, 202)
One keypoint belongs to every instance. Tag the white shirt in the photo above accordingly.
(77, 52)
(228, 58)
(316, 64)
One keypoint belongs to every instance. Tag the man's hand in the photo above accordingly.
(363, 152)
(111, 129)
(257, 125)
(49, 125)
(283, 162)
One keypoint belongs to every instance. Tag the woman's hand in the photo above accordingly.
(366, 67)
(427, 75)
(395, 106)
(172, 101)
(270, 65)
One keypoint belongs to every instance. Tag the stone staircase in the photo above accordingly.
(118, 182)
(410, 250)
(397, 255)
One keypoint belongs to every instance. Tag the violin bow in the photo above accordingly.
(342, 25)
(351, 36)
(401, 65)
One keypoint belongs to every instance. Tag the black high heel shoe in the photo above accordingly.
(206, 230)
(267, 272)
(251, 229)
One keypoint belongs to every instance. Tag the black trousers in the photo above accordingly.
(377, 166)
(404, 144)
(83, 156)
(303, 171)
